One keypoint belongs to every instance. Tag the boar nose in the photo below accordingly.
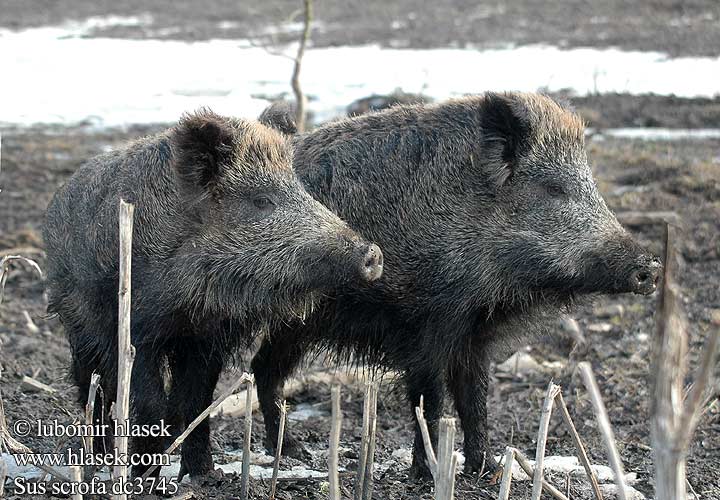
(371, 264)
(644, 279)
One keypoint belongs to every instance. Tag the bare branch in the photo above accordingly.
(552, 391)
(429, 452)
(278, 449)
(580, 447)
(335, 427)
(243, 379)
(605, 427)
(507, 474)
(524, 463)
(126, 351)
(300, 98)
(245, 477)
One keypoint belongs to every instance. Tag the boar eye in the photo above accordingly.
(555, 190)
(263, 203)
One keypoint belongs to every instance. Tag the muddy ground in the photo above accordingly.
(679, 28)
(683, 176)
(679, 176)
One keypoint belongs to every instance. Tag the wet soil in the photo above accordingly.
(679, 176)
(678, 28)
(683, 176)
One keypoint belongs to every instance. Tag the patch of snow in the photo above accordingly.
(228, 25)
(572, 466)
(304, 412)
(663, 134)
(520, 362)
(610, 491)
(54, 75)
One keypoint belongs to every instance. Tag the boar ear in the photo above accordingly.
(280, 115)
(203, 144)
(503, 131)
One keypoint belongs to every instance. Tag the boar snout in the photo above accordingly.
(645, 276)
(371, 265)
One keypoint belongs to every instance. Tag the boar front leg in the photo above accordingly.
(195, 367)
(468, 384)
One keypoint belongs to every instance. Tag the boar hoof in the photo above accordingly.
(483, 467)
(420, 472)
(291, 448)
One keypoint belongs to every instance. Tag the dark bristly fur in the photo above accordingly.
(225, 240)
(491, 224)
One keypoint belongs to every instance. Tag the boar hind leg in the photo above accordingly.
(428, 384)
(195, 367)
(276, 360)
(468, 384)
(148, 403)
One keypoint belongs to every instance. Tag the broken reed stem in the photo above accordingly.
(605, 427)
(703, 379)
(369, 481)
(360, 478)
(647, 218)
(335, 427)
(582, 454)
(90, 410)
(245, 478)
(524, 463)
(507, 474)
(76, 477)
(300, 98)
(446, 460)
(422, 423)
(5, 270)
(243, 379)
(278, 449)
(126, 352)
(552, 391)
(675, 420)
(667, 381)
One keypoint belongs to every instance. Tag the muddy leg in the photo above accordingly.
(429, 385)
(468, 384)
(195, 367)
(148, 403)
(276, 360)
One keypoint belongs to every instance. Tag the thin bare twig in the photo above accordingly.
(88, 441)
(300, 98)
(90, 410)
(245, 478)
(582, 454)
(126, 351)
(524, 463)
(278, 449)
(605, 427)
(243, 379)
(648, 218)
(422, 423)
(369, 481)
(5, 269)
(552, 391)
(703, 379)
(76, 477)
(335, 427)
(507, 474)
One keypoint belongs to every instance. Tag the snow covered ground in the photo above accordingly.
(60, 75)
